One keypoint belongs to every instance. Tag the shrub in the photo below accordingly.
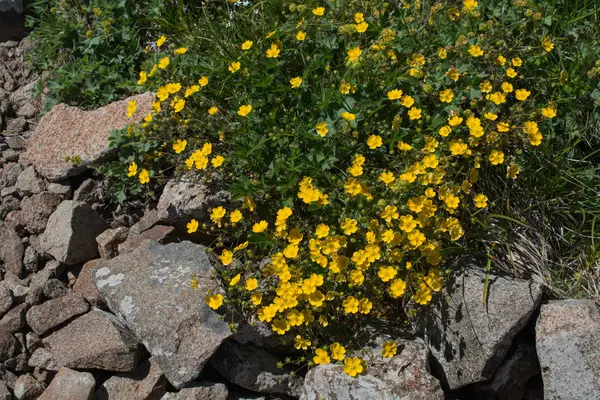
(356, 141)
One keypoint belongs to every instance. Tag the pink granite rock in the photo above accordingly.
(66, 132)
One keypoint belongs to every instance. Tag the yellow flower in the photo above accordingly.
(217, 161)
(348, 116)
(387, 273)
(389, 349)
(247, 44)
(251, 284)
(470, 5)
(162, 93)
(273, 51)
(500, 60)
(192, 226)
(143, 78)
(491, 116)
(260, 226)
(226, 258)
(416, 238)
(300, 343)
(485, 86)
(236, 279)
(353, 366)
(480, 200)
(453, 74)
(338, 352)
(217, 214)
(475, 51)
(319, 11)
(203, 81)
(291, 251)
(506, 87)
(354, 53)
(179, 145)
(296, 82)
(144, 176)
(321, 356)
(214, 301)
(178, 104)
(394, 94)
(511, 73)
(300, 35)
(407, 101)
(423, 296)
(256, 299)
(404, 146)
(161, 40)
(446, 96)
(236, 216)
(522, 94)
(397, 288)
(445, 130)
(549, 112)
(191, 90)
(414, 113)
(164, 63)
(244, 110)
(513, 171)
(350, 305)
(132, 169)
(322, 231)
(131, 107)
(442, 53)
(547, 44)
(180, 51)
(322, 128)
(374, 142)
(503, 127)
(349, 226)
(387, 177)
(361, 27)
(496, 157)
(234, 67)
(213, 110)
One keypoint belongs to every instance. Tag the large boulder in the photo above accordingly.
(403, 377)
(147, 382)
(150, 289)
(96, 340)
(254, 369)
(567, 337)
(71, 385)
(69, 140)
(52, 313)
(469, 333)
(71, 234)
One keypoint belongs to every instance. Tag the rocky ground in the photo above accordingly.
(96, 303)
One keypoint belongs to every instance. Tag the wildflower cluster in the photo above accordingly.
(354, 152)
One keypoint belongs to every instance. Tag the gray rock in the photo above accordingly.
(14, 220)
(28, 388)
(150, 218)
(4, 392)
(10, 155)
(71, 234)
(146, 383)
(254, 369)
(16, 142)
(11, 250)
(9, 191)
(262, 335)
(403, 377)
(27, 111)
(567, 337)
(14, 320)
(160, 233)
(38, 282)
(109, 240)
(468, 338)
(43, 359)
(31, 260)
(16, 126)
(71, 385)
(150, 290)
(6, 299)
(89, 191)
(29, 182)
(54, 288)
(19, 363)
(9, 345)
(55, 312)
(32, 342)
(96, 340)
(62, 188)
(85, 283)
(8, 204)
(200, 391)
(36, 210)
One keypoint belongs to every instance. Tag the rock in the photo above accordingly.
(42, 358)
(15, 142)
(96, 340)
(150, 218)
(261, 335)
(567, 337)
(405, 376)
(62, 188)
(23, 95)
(36, 210)
(55, 312)
(14, 220)
(32, 342)
(38, 282)
(10, 155)
(18, 364)
(14, 320)
(27, 111)
(6, 299)
(183, 199)
(9, 191)
(11, 250)
(31, 260)
(511, 378)
(16, 126)
(71, 234)
(89, 191)
(146, 383)
(85, 283)
(9, 345)
(200, 391)
(160, 233)
(109, 240)
(4, 393)
(468, 338)
(254, 369)
(29, 182)
(71, 385)
(150, 290)
(54, 288)
(67, 132)
(28, 388)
